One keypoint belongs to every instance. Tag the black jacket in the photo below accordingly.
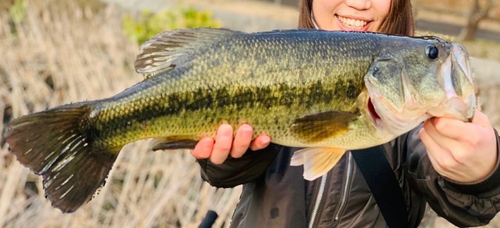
(276, 195)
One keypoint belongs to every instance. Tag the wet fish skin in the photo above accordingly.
(327, 91)
(224, 86)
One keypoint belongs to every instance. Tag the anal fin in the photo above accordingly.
(317, 161)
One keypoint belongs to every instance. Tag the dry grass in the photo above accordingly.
(62, 53)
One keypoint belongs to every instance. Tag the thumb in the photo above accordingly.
(481, 119)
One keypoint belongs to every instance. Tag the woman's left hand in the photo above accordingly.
(462, 152)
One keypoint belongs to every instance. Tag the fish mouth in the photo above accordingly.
(461, 58)
(460, 99)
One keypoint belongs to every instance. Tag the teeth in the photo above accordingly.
(353, 23)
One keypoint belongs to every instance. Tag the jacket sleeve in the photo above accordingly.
(236, 171)
(472, 204)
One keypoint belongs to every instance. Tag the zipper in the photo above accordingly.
(346, 186)
(318, 200)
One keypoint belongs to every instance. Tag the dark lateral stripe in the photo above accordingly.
(276, 95)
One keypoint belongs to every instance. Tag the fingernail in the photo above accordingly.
(225, 129)
(246, 131)
(245, 127)
(266, 140)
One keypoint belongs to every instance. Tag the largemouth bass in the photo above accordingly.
(326, 91)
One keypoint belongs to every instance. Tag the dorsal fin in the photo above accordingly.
(168, 49)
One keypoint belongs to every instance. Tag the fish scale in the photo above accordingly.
(190, 90)
(325, 91)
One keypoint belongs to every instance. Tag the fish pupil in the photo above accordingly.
(432, 51)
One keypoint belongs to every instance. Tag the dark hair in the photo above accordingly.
(399, 21)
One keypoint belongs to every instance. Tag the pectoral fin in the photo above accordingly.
(316, 161)
(320, 126)
(171, 143)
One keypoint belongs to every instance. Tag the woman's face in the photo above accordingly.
(350, 15)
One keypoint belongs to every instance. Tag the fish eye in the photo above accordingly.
(431, 51)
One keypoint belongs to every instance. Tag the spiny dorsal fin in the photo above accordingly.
(170, 48)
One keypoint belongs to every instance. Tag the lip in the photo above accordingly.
(344, 28)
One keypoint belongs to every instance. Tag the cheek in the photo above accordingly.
(381, 8)
(324, 11)
(326, 5)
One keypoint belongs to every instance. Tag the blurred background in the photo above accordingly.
(60, 51)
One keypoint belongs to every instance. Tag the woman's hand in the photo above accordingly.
(462, 152)
(225, 146)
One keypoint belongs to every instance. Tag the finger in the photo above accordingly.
(241, 141)
(427, 141)
(443, 141)
(223, 142)
(459, 130)
(442, 160)
(437, 167)
(455, 148)
(203, 148)
(450, 128)
(261, 142)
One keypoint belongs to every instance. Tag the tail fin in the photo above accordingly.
(55, 144)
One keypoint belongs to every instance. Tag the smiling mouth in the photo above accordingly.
(353, 24)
